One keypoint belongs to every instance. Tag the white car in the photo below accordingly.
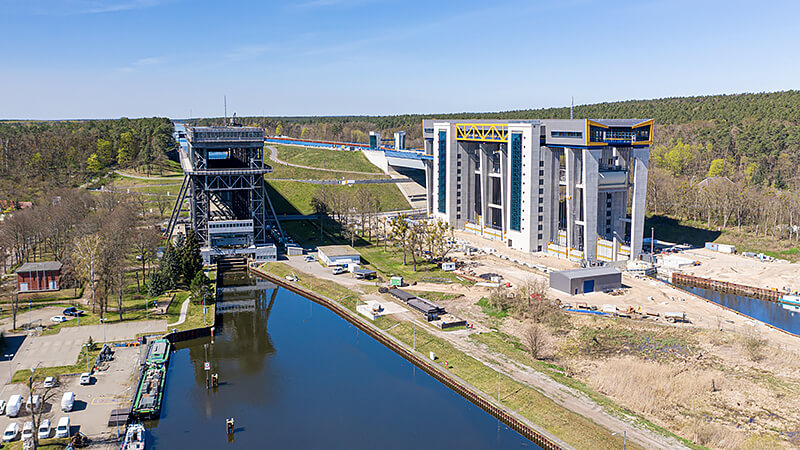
(27, 431)
(59, 319)
(338, 270)
(12, 430)
(62, 430)
(49, 382)
(2, 407)
(86, 378)
(44, 429)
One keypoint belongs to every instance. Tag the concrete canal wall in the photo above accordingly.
(511, 419)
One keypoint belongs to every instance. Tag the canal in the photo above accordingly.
(294, 375)
(772, 313)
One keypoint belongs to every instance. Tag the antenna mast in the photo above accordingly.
(571, 106)
(225, 101)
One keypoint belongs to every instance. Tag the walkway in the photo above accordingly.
(184, 309)
(273, 156)
(139, 177)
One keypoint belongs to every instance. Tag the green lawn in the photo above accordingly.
(291, 197)
(326, 159)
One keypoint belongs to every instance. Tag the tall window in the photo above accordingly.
(516, 181)
(442, 161)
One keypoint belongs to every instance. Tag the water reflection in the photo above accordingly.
(294, 375)
(772, 313)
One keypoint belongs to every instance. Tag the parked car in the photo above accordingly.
(67, 401)
(62, 430)
(49, 382)
(27, 431)
(2, 407)
(309, 258)
(73, 311)
(14, 405)
(44, 429)
(12, 430)
(339, 270)
(33, 403)
(59, 319)
(86, 378)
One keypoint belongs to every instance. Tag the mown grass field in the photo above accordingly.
(292, 197)
(326, 159)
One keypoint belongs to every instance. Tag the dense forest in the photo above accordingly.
(38, 156)
(755, 134)
(720, 161)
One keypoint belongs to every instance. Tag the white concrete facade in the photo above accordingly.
(562, 186)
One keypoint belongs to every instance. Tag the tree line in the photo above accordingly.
(41, 156)
(92, 235)
(354, 211)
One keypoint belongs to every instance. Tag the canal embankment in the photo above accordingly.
(511, 391)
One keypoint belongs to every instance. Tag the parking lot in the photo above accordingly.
(111, 388)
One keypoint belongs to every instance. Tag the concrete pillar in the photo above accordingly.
(591, 166)
(641, 164)
(429, 186)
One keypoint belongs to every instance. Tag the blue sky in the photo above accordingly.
(113, 58)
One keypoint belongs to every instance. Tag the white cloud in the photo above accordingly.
(144, 62)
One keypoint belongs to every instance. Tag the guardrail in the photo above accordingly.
(455, 383)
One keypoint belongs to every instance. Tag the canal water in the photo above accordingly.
(294, 375)
(772, 313)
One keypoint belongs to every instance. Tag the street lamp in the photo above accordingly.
(624, 437)
(103, 321)
(10, 363)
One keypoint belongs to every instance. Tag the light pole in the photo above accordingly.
(10, 363)
(624, 438)
(87, 356)
(652, 240)
(103, 321)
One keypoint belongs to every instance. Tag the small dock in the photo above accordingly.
(727, 287)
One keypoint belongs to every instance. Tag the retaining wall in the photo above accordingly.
(475, 396)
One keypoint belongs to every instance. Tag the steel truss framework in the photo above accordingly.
(481, 132)
(226, 193)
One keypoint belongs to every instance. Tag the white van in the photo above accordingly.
(67, 401)
(14, 405)
(62, 430)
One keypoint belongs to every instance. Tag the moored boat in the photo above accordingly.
(134, 437)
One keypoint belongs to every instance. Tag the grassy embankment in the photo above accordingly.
(572, 428)
(697, 233)
(291, 197)
(353, 161)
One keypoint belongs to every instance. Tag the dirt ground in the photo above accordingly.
(743, 270)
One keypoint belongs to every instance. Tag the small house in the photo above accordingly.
(338, 255)
(39, 276)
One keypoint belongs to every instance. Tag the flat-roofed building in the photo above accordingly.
(338, 255)
(584, 281)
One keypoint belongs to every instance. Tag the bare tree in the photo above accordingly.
(86, 256)
(535, 338)
(48, 395)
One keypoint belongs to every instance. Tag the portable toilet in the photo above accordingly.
(396, 281)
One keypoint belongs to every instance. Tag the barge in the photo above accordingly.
(150, 392)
